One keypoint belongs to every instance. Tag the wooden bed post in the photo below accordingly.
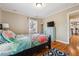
(49, 42)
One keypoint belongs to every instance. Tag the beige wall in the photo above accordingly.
(40, 21)
(0, 16)
(18, 23)
(61, 23)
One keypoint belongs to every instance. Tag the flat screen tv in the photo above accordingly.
(50, 24)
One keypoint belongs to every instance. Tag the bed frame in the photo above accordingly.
(31, 51)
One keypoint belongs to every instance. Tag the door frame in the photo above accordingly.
(68, 22)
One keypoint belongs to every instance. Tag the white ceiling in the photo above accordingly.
(29, 10)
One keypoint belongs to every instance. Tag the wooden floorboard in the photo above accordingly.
(61, 46)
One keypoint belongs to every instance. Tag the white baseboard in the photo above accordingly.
(63, 42)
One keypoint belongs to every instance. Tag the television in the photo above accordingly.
(51, 24)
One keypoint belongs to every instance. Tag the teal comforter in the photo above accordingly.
(19, 45)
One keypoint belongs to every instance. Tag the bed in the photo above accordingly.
(24, 45)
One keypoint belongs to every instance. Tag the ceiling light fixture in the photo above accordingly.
(39, 5)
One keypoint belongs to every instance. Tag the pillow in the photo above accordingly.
(9, 36)
(42, 38)
(34, 37)
(1, 31)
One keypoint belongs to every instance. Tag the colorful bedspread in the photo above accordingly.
(38, 39)
(21, 43)
(15, 47)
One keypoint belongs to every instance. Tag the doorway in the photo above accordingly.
(73, 23)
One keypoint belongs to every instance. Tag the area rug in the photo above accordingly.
(55, 52)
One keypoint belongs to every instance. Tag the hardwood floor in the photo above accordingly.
(72, 49)
(61, 46)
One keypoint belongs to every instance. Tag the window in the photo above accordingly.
(32, 26)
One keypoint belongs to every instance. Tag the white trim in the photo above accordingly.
(63, 42)
(12, 11)
(74, 11)
(62, 10)
(68, 27)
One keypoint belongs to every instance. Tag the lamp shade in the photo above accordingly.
(5, 25)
